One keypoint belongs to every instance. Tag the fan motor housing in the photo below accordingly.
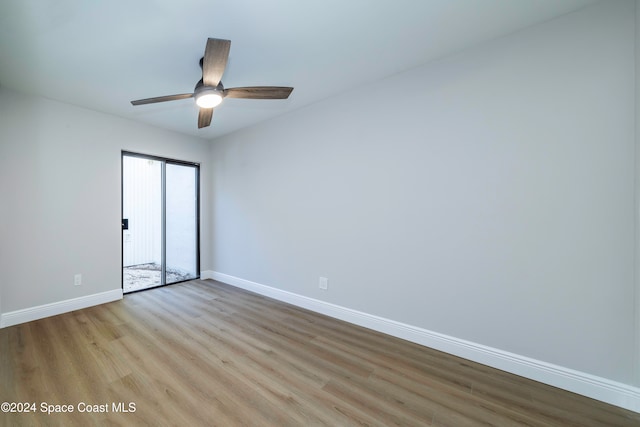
(200, 88)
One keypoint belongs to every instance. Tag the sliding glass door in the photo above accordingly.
(160, 221)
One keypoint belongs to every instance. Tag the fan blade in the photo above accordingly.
(258, 92)
(162, 99)
(214, 62)
(204, 117)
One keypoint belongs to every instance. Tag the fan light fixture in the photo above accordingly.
(208, 98)
(209, 91)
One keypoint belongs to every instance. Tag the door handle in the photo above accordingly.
(125, 224)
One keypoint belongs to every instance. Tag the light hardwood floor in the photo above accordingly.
(203, 353)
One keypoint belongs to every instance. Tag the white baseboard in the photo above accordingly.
(34, 313)
(605, 390)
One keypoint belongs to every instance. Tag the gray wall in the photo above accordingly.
(60, 187)
(488, 196)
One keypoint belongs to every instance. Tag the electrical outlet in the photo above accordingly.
(323, 283)
(77, 279)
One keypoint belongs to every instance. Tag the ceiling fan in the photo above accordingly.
(209, 91)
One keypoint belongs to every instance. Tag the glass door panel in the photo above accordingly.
(142, 223)
(181, 201)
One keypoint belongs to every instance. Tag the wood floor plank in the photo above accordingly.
(205, 353)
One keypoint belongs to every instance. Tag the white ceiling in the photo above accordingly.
(101, 54)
